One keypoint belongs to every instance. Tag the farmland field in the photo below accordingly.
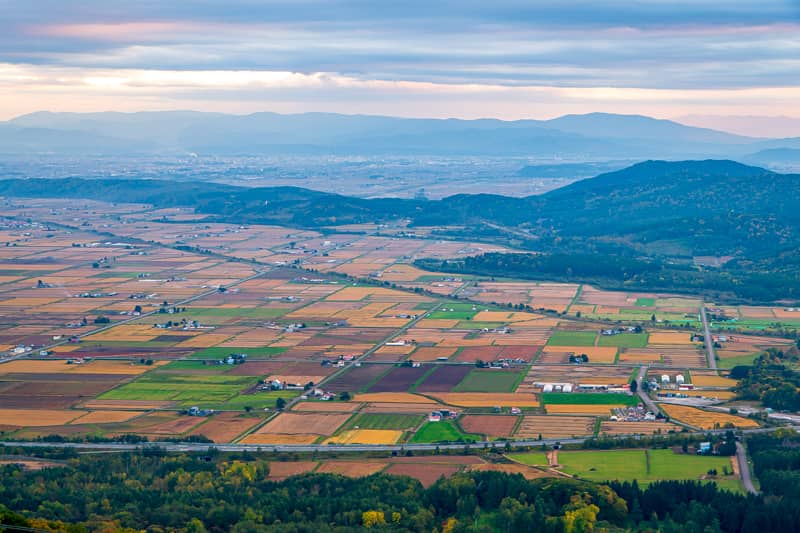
(572, 338)
(489, 381)
(443, 431)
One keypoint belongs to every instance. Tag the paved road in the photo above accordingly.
(337, 448)
(644, 396)
(712, 359)
(744, 469)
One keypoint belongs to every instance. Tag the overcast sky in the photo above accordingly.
(465, 58)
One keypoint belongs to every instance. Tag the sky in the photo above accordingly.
(701, 61)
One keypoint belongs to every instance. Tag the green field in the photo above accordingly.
(531, 458)
(572, 338)
(489, 381)
(468, 324)
(645, 466)
(645, 302)
(587, 398)
(384, 421)
(221, 352)
(460, 311)
(206, 391)
(730, 362)
(443, 431)
(624, 340)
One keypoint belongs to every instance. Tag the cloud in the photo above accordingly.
(362, 49)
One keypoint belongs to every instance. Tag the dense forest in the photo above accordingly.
(160, 492)
(638, 227)
(771, 380)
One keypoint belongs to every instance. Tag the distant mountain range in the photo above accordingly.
(590, 137)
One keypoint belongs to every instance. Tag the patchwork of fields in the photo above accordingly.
(176, 328)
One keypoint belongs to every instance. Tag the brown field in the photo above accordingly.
(705, 419)
(282, 469)
(427, 474)
(526, 471)
(491, 425)
(225, 427)
(482, 399)
(105, 417)
(568, 409)
(279, 438)
(366, 436)
(327, 407)
(293, 423)
(431, 353)
(633, 357)
(37, 417)
(392, 397)
(350, 468)
(554, 427)
(635, 428)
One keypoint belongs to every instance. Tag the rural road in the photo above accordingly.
(744, 469)
(339, 448)
(712, 359)
(645, 397)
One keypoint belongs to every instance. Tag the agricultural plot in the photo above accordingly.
(636, 428)
(403, 422)
(399, 379)
(489, 381)
(645, 466)
(706, 419)
(554, 427)
(572, 338)
(444, 431)
(493, 426)
(443, 379)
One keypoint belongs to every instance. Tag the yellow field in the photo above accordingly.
(106, 417)
(571, 409)
(705, 419)
(596, 354)
(487, 399)
(27, 366)
(206, 340)
(639, 357)
(705, 380)
(366, 436)
(37, 417)
(392, 397)
(279, 438)
(669, 337)
(127, 333)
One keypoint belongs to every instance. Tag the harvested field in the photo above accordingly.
(554, 427)
(399, 379)
(37, 417)
(490, 425)
(427, 474)
(444, 378)
(574, 409)
(225, 427)
(350, 468)
(705, 419)
(669, 337)
(106, 417)
(413, 408)
(471, 354)
(596, 354)
(366, 436)
(327, 407)
(279, 438)
(393, 397)
(292, 423)
(279, 470)
(636, 428)
(711, 380)
(426, 353)
(477, 399)
(355, 378)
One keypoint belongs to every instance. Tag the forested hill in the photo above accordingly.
(663, 212)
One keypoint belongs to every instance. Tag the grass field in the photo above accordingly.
(645, 466)
(221, 352)
(443, 431)
(645, 302)
(459, 311)
(624, 340)
(577, 398)
(730, 362)
(489, 381)
(531, 458)
(572, 338)
(384, 421)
